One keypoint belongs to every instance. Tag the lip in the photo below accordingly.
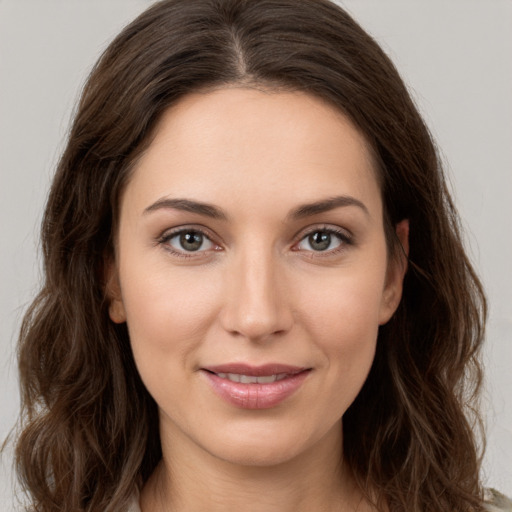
(255, 371)
(255, 395)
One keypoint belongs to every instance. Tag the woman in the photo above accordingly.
(256, 294)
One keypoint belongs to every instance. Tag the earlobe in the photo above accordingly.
(116, 312)
(397, 267)
(116, 309)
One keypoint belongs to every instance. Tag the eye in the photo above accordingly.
(188, 240)
(323, 240)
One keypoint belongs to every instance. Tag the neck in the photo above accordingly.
(190, 479)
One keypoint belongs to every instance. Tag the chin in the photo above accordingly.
(264, 447)
(256, 454)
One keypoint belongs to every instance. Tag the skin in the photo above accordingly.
(257, 291)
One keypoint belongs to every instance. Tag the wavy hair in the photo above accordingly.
(89, 429)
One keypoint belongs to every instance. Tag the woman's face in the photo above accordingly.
(251, 248)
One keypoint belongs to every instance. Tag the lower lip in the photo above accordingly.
(254, 395)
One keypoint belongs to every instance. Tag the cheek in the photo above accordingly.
(348, 303)
(168, 312)
(342, 317)
(168, 315)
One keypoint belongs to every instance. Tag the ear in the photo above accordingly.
(116, 309)
(397, 267)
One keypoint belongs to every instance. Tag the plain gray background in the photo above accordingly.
(456, 55)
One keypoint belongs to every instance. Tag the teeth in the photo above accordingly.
(251, 379)
(266, 379)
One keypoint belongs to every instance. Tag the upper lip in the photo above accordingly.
(255, 371)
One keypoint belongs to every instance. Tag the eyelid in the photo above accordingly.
(170, 233)
(344, 234)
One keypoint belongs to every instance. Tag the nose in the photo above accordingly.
(256, 304)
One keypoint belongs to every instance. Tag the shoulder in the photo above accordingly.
(494, 502)
(497, 502)
(134, 503)
(134, 507)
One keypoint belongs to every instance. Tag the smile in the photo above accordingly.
(255, 387)
(251, 379)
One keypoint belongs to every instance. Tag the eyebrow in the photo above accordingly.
(325, 205)
(300, 212)
(187, 205)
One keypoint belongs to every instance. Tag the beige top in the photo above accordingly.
(495, 502)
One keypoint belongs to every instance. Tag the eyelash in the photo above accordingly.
(169, 235)
(345, 239)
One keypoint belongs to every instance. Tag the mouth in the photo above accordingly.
(255, 387)
(251, 379)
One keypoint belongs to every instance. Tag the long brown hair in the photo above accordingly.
(89, 427)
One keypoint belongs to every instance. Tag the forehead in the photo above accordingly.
(251, 145)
